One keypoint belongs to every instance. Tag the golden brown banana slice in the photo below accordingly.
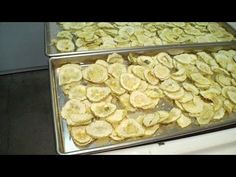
(95, 73)
(69, 73)
(129, 128)
(129, 81)
(115, 58)
(80, 136)
(72, 107)
(170, 85)
(65, 45)
(191, 88)
(151, 130)
(78, 92)
(99, 129)
(150, 120)
(193, 106)
(174, 114)
(206, 115)
(219, 114)
(96, 94)
(161, 72)
(149, 76)
(164, 59)
(139, 99)
(203, 67)
(103, 109)
(184, 121)
(116, 69)
(175, 95)
(114, 85)
(125, 102)
(117, 116)
(138, 71)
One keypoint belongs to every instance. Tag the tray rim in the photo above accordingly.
(59, 144)
(47, 53)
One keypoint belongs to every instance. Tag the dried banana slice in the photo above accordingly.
(115, 86)
(150, 77)
(191, 88)
(102, 63)
(232, 96)
(65, 45)
(117, 116)
(205, 57)
(81, 119)
(153, 104)
(170, 85)
(219, 114)
(80, 136)
(219, 70)
(184, 121)
(161, 72)
(64, 35)
(228, 106)
(203, 67)
(163, 116)
(146, 61)
(69, 73)
(125, 102)
(223, 80)
(66, 88)
(129, 81)
(95, 73)
(154, 93)
(193, 106)
(142, 86)
(180, 72)
(87, 104)
(96, 94)
(187, 97)
(178, 104)
(175, 95)
(130, 128)
(206, 115)
(116, 69)
(227, 89)
(200, 79)
(77, 92)
(139, 99)
(115, 58)
(151, 130)
(72, 107)
(99, 129)
(138, 71)
(164, 59)
(179, 78)
(115, 136)
(103, 109)
(185, 58)
(174, 115)
(150, 120)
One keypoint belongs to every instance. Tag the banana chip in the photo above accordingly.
(164, 59)
(150, 77)
(103, 109)
(223, 80)
(161, 72)
(115, 136)
(125, 102)
(175, 95)
(170, 85)
(193, 106)
(138, 71)
(115, 58)
(232, 96)
(203, 67)
(200, 79)
(179, 78)
(65, 45)
(227, 89)
(150, 120)
(183, 121)
(187, 97)
(96, 94)
(95, 73)
(185, 58)
(219, 114)
(102, 63)
(129, 81)
(174, 114)
(116, 69)
(115, 86)
(206, 115)
(80, 119)
(130, 128)
(99, 129)
(139, 99)
(77, 92)
(228, 106)
(69, 73)
(142, 86)
(153, 104)
(117, 116)
(80, 136)
(151, 130)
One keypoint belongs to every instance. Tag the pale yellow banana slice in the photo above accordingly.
(80, 136)
(149, 76)
(96, 94)
(117, 116)
(232, 96)
(150, 120)
(219, 70)
(153, 104)
(200, 79)
(116, 69)
(161, 72)
(114, 136)
(188, 96)
(174, 115)
(114, 85)
(175, 95)
(223, 80)
(139, 99)
(219, 114)
(206, 115)
(125, 102)
(185, 58)
(193, 106)
(146, 61)
(99, 129)
(129, 81)
(226, 89)
(228, 106)
(65, 45)
(103, 109)
(102, 63)
(81, 119)
(184, 121)
(163, 116)
(179, 78)
(95, 73)
(77, 92)
(138, 71)
(203, 67)
(179, 105)
(170, 85)
(115, 58)
(191, 88)
(151, 130)
(142, 86)
(164, 59)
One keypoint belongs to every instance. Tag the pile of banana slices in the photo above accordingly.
(103, 97)
(82, 36)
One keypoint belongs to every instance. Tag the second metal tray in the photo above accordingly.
(64, 142)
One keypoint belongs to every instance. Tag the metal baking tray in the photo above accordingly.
(52, 28)
(64, 143)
